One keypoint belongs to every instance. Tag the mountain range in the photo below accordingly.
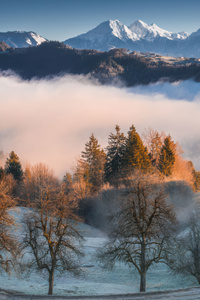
(139, 36)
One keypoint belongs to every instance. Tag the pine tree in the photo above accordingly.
(95, 158)
(167, 157)
(135, 154)
(13, 166)
(116, 144)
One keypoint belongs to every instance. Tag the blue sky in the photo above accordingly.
(62, 19)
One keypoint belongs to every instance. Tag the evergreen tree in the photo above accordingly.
(135, 154)
(167, 157)
(95, 159)
(116, 145)
(13, 166)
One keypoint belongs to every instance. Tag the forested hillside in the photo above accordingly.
(55, 59)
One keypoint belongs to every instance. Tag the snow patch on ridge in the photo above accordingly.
(122, 31)
(150, 32)
(21, 39)
(39, 39)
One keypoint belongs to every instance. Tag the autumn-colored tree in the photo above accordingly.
(37, 178)
(81, 186)
(182, 169)
(67, 182)
(153, 140)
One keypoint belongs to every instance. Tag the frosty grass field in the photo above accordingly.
(95, 280)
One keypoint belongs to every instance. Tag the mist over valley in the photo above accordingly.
(50, 120)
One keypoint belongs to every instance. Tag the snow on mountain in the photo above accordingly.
(21, 39)
(112, 28)
(107, 35)
(181, 35)
(110, 34)
(140, 37)
(150, 32)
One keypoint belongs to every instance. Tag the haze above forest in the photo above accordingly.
(50, 120)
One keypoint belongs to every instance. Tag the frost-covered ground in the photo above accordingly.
(95, 280)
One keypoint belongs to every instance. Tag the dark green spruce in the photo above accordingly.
(115, 150)
(14, 167)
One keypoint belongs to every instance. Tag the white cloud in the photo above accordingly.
(50, 121)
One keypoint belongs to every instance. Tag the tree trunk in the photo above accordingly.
(143, 282)
(51, 280)
(143, 268)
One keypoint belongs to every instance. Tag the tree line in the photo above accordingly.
(143, 228)
(155, 153)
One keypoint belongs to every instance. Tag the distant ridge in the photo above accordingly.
(117, 65)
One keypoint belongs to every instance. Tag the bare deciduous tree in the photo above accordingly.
(52, 237)
(36, 179)
(141, 227)
(8, 244)
(184, 257)
(153, 140)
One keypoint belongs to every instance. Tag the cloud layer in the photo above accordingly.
(50, 120)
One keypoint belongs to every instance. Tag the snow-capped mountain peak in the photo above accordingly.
(140, 28)
(20, 39)
(112, 28)
(152, 31)
(122, 31)
(139, 36)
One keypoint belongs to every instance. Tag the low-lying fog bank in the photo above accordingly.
(50, 120)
